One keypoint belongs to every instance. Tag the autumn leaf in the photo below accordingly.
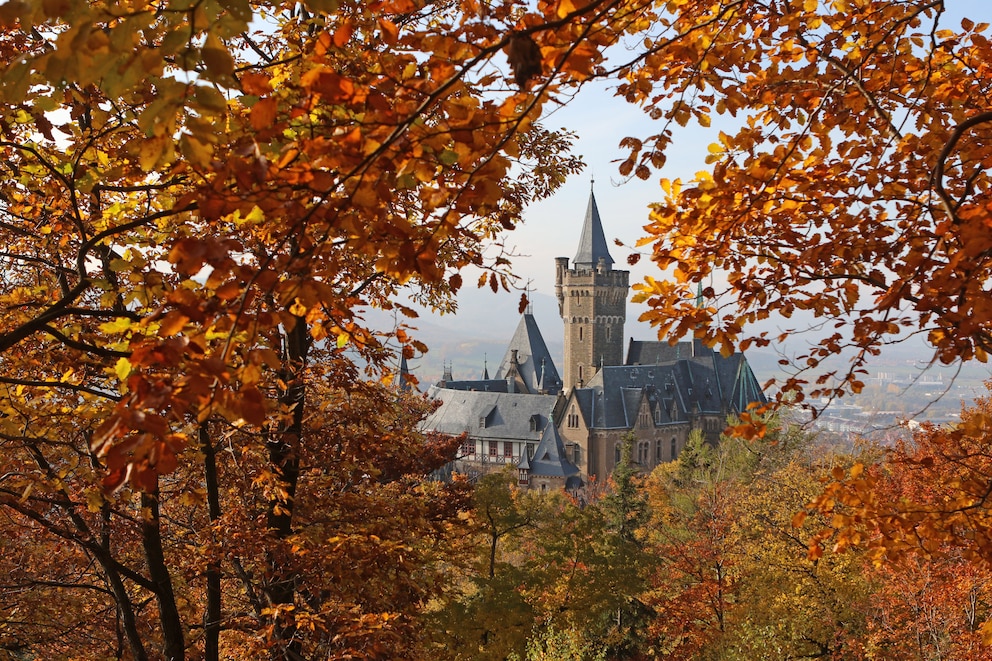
(524, 58)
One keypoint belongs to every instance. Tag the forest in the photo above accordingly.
(203, 454)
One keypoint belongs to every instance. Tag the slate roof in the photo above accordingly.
(550, 458)
(403, 378)
(534, 365)
(706, 382)
(508, 416)
(490, 385)
(592, 242)
(658, 353)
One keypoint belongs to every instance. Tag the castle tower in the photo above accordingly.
(592, 301)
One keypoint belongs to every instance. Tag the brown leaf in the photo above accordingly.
(524, 57)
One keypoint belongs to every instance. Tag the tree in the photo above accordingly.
(485, 614)
(692, 588)
(850, 179)
(921, 512)
(790, 605)
(198, 200)
(732, 579)
(369, 543)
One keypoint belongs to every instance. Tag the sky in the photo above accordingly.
(600, 121)
(551, 227)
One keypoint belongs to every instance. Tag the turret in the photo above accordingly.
(592, 301)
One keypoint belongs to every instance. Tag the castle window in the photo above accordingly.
(616, 453)
(507, 449)
(482, 422)
(580, 333)
(530, 450)
(657, 451)
(493, 448)
(674, 450)
(576, 455)
(468, 447)
(642, 453)
(607, 332)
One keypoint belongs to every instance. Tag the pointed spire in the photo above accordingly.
(403, 380)
(485, 367)
(592, 242)
(699, 295)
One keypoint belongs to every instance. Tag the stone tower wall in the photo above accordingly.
(593, 307)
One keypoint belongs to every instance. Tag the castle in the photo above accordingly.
(563, 431)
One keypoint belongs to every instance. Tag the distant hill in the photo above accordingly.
(484, 323)
(477, 334)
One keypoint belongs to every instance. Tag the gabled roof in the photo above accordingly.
(534, 365)
(706, 382)
(507, 416)
(592, 242)
(550, 458)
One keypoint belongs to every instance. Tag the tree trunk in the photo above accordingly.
(173, 644)
(283, 446)
(212, 613)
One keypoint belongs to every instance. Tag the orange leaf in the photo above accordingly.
(172, 323)
(263, 113)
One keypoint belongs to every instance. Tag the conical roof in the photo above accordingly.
(592, 242)
(404, 379)
(534, 364)
(550, 458)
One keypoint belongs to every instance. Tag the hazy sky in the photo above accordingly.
(551, 228)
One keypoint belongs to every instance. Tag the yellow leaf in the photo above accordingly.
(94, 500)
(216, 58)
(150, 152)
(120, 325)
(565, 7)
(123, 368)
(198, 153)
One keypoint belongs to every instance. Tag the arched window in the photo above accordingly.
(616, 453)
(657, 451)
(674, 449)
